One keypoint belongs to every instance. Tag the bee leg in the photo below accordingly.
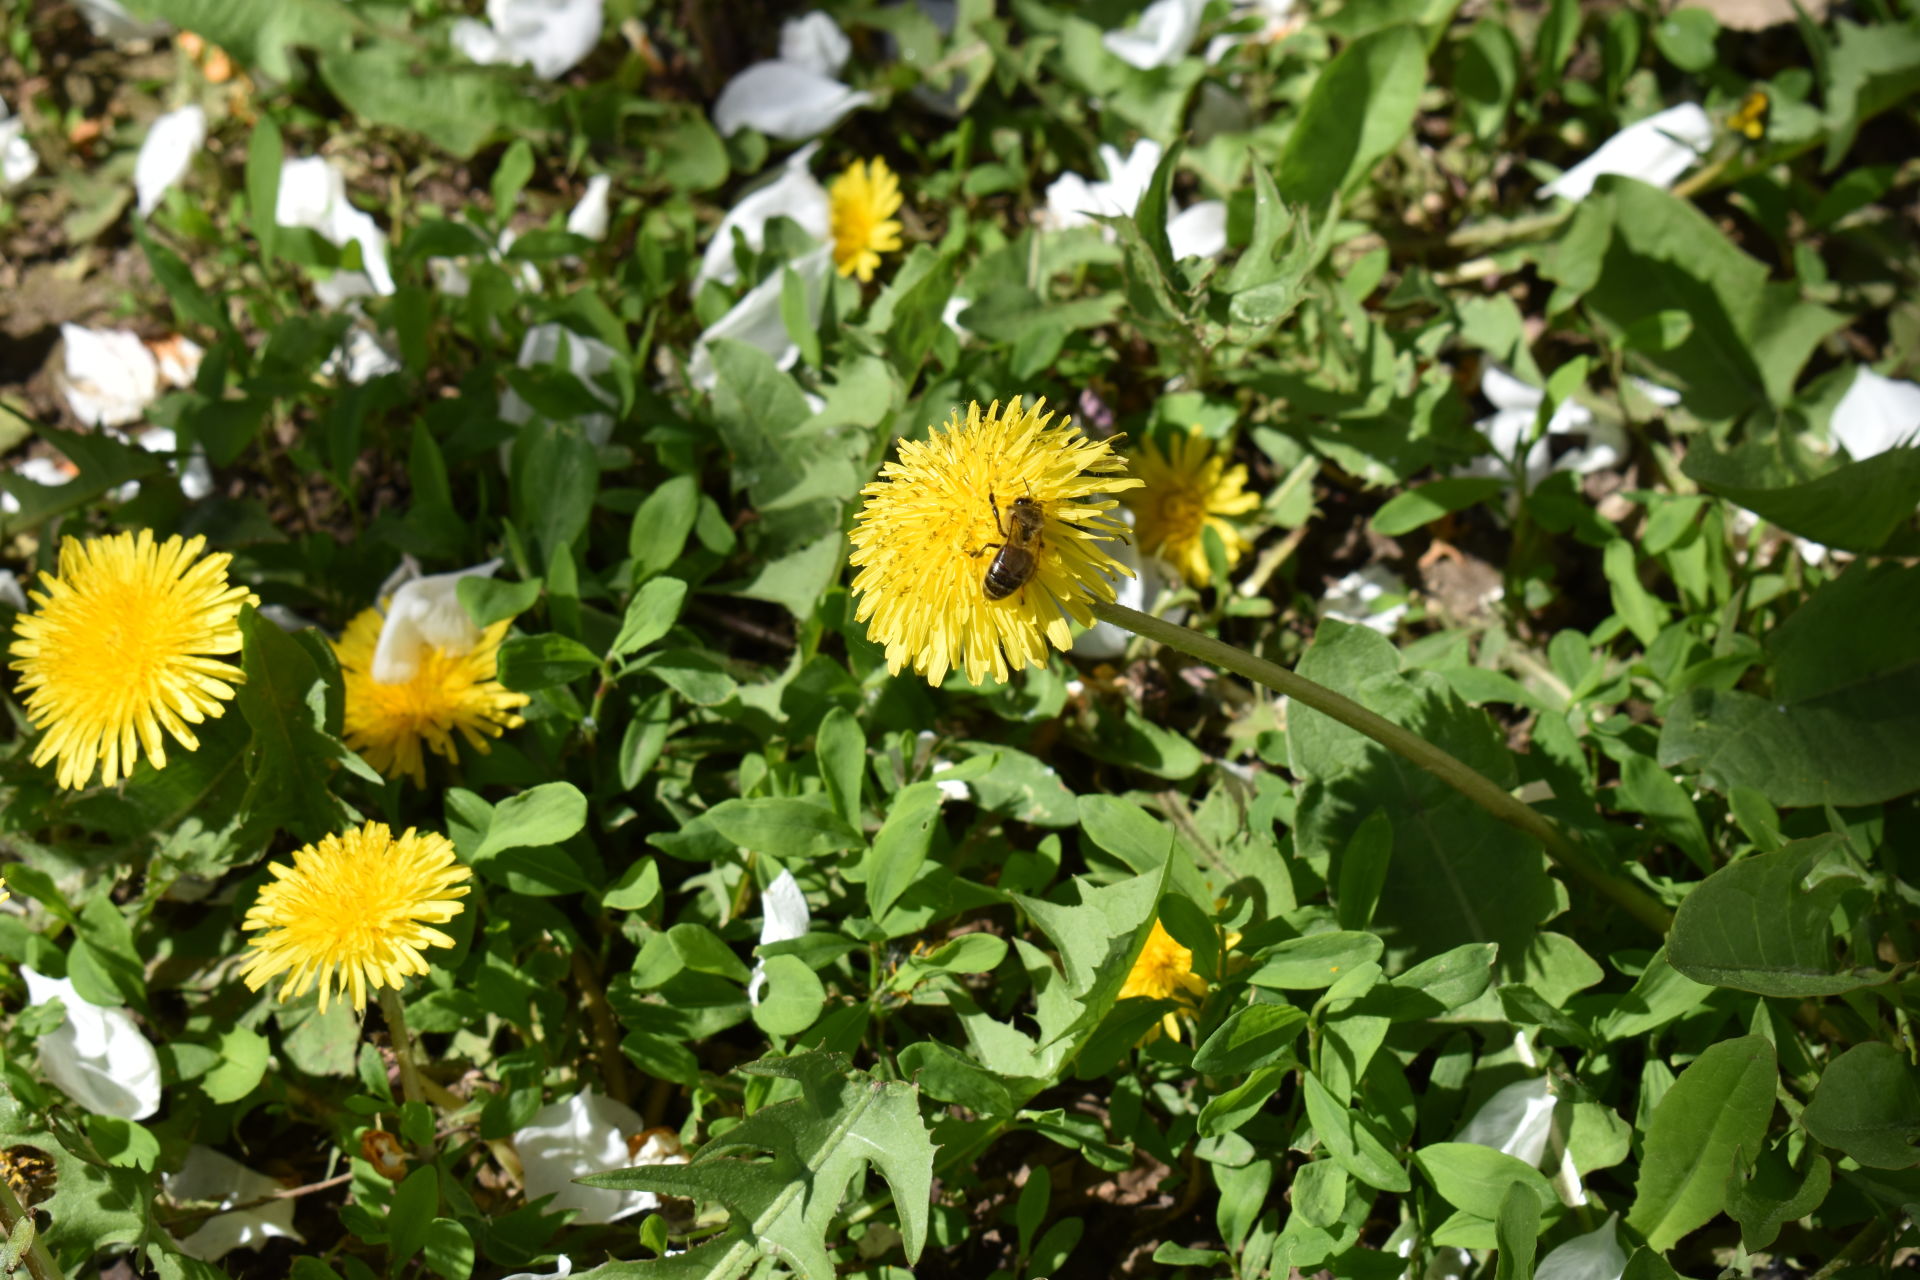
(995, 504)
(991, 546)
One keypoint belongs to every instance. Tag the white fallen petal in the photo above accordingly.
(1594, 1256)
(587, 358)
(1072, 200)
(793, 194)
(423, 614)
(98, 1056)
(360, 357)
(786, 918)
(449, 277)
(589, 218)
(784, 100)
(171, 143)
(108, 376)
(1875, 414)
(550, 36)
(207, 1175)
(1664, 397)
(562, 1268)
(585, 1134)
(195, 474)
(1516, 1120)
(1516, 406)
(1356, 598)
(951, 313)
(313, 194)
(756, 319)
(39, 470)
(1162, 36)
(10, 593)
(110, 21)
(18, 160)
(1199, 232)
(178, 359)
(815, 41)
(1656, 150)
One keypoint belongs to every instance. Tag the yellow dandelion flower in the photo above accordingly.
(863, 201)
(115, 658)
(389, 724)
(1187, 491)
(1750, 117)
(939, 519)
(354, 911)
(1164, 971)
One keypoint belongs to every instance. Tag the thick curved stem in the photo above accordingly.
(1468, 781)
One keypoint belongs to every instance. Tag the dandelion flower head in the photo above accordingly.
(354, 911)
(1164, 971)
(450, 690)
(1186, 491)
(862, 203)
(927, 535)
(116, 657)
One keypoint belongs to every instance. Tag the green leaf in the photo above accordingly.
(1256, 1036)
(549, 814)
(1405, 512)
(1517, 1229)
(262, 33)
(293, 710)
(1351, 1139)
(1854, 506)
(265, 152)
(449, 1249)
(488, 600)
(784, 827)
(900, 848)
(661, 525)
(793, 1000)
(1843, 724)
(1475, 1178)
(410, 1220)
(421, 89)
(650, 615)
(1870, 69)
(1459, 875)
(1360, 106)
(1868, 1105)
(528, 664)
(1316, 961)
(1635, 605)
(1775, 1195)
(243, 1061)
(1754, 925)
(1712, 1119)
(556, 473)
(783, 1172)
(105, 463)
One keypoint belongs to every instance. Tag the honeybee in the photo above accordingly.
(1019, 551)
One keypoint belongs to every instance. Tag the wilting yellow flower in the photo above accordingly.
(390, 723)
(1164, 971)
(929, 532)
(354, 911)
(1187, 492)
(115, 657)
(863, 201)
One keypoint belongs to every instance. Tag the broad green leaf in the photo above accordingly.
(1351, 1139)
(784, 827)
(1517, 1229)
(456, 104)
(1712, 1119)
(1360, 107)
(1868, 1106)
(782, 1173)
(243, 1061)
(1854, 506)
(1255, 1036)
(528, 664)
(899, 849)
(1316, 961)
(650, 615)
(1475, 1178)
(105, 463)
(292, 708)
(661, 525)
(1754, 925)
(1775, 1195)
(551, 813)
(1405, 512)
(1870, 69)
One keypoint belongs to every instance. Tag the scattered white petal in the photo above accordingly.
(449, 277)
(587, 359)
(1072, 200)
(586, 1134)
(196, 476)
(783, 100)
(97, 1056)
(39, 470)
(1162, 36)
(1664, 397)
(206, 1175)
(171, 143)
(1516, 405)
(1199, 231)
(562, 1268)
(551, 36)
(360, 357)
(425, 613)
(950, 316)
(815, 41)
(589, 218)
(178, 359)
(756, 319)
(1594, 1256)
(794, 194)
(1356, 599)
(10, 593)
(1875, 414)
(110, 21)
(109, 376)
(786, 918)
(18, 160)
(1515, 1120)
(1656, 150)
(313, 194)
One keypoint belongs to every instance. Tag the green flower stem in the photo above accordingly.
(410, 1083)
(35, 1260)
(1469, 782)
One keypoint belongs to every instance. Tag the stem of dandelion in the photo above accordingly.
(1469, 782)
(34, 1260)
(410, 1082)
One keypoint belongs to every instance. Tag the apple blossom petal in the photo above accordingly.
(549, 36)
(109, 376)
(208, 1175)
(786, 918)
(815, 41)
(1516, 1120)
(589, 218)
(1357, 598)
(756, 319)
(426, 613)
(783, 100)
(98, 1056)
(1875, 415)
(168, 149)
(794, 194)
(585, 1134)
(1200, 231)
(1656, 151)
(1162, 36)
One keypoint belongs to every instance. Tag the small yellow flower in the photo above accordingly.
(354, 911)
(1750, 117)
(927, 535)
(1164, 971)
(1186, 492)
(389, 724)
(863, 201)
(114, 661)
